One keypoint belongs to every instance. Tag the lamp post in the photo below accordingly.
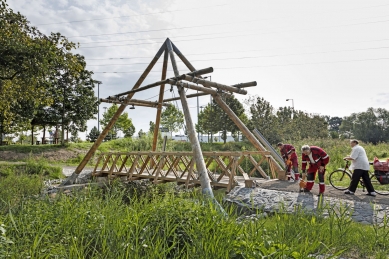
(201, 107)
(98, 107)
(105, 111)
(210, 102)
(292, 106)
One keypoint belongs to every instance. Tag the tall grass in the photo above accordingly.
(158, 222)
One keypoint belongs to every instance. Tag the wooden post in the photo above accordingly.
(214, 84)
(120, 110)
(238, 122)
(197, 154)
(160, 101)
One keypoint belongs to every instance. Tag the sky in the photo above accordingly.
(330, 57)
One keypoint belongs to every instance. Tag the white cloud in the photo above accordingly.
(300, 46)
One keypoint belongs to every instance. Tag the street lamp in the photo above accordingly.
(292, 106)
(210, 102)
(98, 107)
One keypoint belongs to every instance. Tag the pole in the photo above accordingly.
(98, 112)
(160, 101)
(63, 119)
(198, 133)
(197, 154)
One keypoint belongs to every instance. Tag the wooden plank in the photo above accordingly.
(248, 183)
(97, 164)
(160, 166)
(160, 100)
(260, 170)
(133, 166)
(233, 173)
(123, 163)
(190, 173)
(113, 165)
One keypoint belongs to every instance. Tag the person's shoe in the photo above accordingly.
(291, 180)
(372, 194)
(348, 192)
(305, 190)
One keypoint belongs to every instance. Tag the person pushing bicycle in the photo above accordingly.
(360, 165)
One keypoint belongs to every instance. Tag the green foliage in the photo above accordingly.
(370, 126)
(43, 168)
(160, 223)
(152, 127)
(172, 118)
(280, 126)
(124, 123)
(93, 134)
(213, 119)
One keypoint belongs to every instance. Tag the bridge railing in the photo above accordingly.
(225, 169)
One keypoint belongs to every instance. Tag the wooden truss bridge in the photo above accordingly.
(193, 167)
(224, 169)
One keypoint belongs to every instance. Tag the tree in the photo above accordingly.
(334, 123)
(151, 127)
(93, 134)
(172, 118)
(263, 118)
(27, 59)
(74, 99)
(141, 134)
(370, 126)
(124, 123)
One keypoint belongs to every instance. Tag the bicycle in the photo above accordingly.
(340, 179)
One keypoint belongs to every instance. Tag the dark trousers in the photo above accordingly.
(357, 174)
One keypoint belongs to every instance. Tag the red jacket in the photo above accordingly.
(319, 156)
(286, 150)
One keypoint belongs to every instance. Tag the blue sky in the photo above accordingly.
(331, 57)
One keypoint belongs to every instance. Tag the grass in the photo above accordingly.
(337, 149)
(158, 222)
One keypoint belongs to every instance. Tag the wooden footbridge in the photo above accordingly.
(208, 169)
(224, 169)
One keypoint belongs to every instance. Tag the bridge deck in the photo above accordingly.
(224, 169)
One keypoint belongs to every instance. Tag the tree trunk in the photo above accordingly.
(32, 134)
(44, 134)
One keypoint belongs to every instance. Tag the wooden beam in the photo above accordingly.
(151, 105)
(238, 122)
(207, 83)
(197, 155)
(248, 183)
(113, 120)
(192, 86)
(160, 101)
(188, 96)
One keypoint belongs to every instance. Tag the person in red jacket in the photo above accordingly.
(317, 159)
(289, 152)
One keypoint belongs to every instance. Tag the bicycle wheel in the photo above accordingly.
(379, 188)
(340, 179)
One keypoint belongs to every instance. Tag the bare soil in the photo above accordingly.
(56, 155)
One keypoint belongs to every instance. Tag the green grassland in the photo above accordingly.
(158, 222)
(337, 149)
(126, 221)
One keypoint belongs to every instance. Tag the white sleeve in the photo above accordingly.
(355, 153)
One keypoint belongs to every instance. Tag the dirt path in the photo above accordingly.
(330, 191)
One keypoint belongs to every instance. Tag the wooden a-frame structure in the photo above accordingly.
(192, 80)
